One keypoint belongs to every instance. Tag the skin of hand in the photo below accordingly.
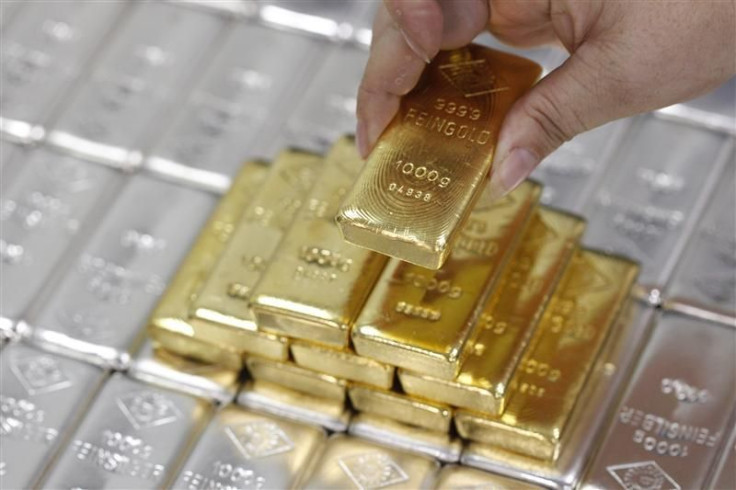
(626, 57)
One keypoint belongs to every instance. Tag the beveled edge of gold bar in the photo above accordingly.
(422, 413)
(188, 346)
(297, 378)
(418, 384)
(479, 428)
(343, 364)
(242, 341)
(280, 321)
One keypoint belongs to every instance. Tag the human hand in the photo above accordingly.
(626, 58)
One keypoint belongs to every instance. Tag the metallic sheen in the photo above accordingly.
(508, 318)
(403, 408)
(561, 353)
(460, 478)
(297, 378)
(425, 320)
(430, 165)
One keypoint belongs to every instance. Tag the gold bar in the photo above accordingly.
(430, 165)
(400, 407)
(317, 284)
(342, 363)
(224, 302)
(509, 317)
(424, 320)
(561, 353)
(169, 323)
(349, 462)
(455, 477)
(297, 378)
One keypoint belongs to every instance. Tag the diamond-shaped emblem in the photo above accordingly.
(145, 409)
(372, 470)
(39, 374)
(645, 475)
(259, 439)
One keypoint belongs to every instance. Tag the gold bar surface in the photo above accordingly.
(509, 317)
(317, 283)
(349, 462)
(423, 320)
(169, 323)
(429, 166)
(403, 408)
(453, 477)
(225, 296)
(552, 373)
(342, 363)
(297, 378)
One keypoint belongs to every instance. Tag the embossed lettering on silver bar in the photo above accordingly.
(43, 51)
(241, 90)
(140, 76)
(41, 397)
(671, 421)
(652, 193)
(706, 277)
(133, 436)
(43, 212)
(242, 449)
(97, 311)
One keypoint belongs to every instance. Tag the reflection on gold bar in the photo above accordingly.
(561, 353)
(316, 283)
(509, 317)
(240, 340)
(169, 324)
(423, 320)
(463, 478)
(400, 407)
(349, 462)
(297, 378)
(430, 165)
(226, 294)
(342, 363)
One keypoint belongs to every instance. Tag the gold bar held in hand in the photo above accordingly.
(430, 165)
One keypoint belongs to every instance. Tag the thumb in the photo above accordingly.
(568, 101)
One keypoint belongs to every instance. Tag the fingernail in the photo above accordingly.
(415, 46)
(512, 170)
(360, 139)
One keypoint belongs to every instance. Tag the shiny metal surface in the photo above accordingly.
(320, 17)
(289, 375)
(133, 436)
(460, 478)
(97, 310)
(652, 194)
(54, 199)
(425, 320)
(242, 449)
(41, 398)
(43, 52)
(138, 79)
(675, 411)
(348, 462)
(426, 171)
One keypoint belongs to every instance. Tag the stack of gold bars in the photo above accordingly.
(490, 327)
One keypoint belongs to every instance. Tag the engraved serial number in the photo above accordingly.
(409, 192)
(418, 311)
(423, 174)
(433, 284)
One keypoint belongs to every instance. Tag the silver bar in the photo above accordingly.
(363, 22)
(293, 405)
(242, 449)
(133, 436)
(140, 76)
(716, 110)
(349, 462)
(706, 278)
(46, 210)
(11, 155)
(321, 17)
(97, 311)
(8, 10)
(652, 194)
(724, 475)
(675, 412)
(217, 127)
(603, 387)
(43, 52)
(441, 446)
(41, 398)
(327, 108)
(161, 368)
(572, 172)
(241, 8)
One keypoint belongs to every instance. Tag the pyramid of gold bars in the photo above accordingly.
(495, 345)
